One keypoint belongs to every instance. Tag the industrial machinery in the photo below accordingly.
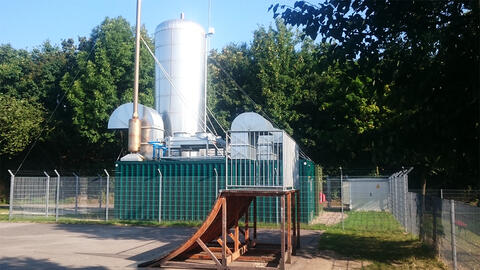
(180, 98)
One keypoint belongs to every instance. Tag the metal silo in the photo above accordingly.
(180, 47)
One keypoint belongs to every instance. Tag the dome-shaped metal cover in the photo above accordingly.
(250, 121)
(120, 117)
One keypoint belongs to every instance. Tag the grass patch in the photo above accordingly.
(378, 238)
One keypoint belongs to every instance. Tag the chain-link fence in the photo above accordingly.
(451, 227)
(53, 195)
(191, 197)
(370, 203)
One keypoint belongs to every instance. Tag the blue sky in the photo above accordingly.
(26, 24)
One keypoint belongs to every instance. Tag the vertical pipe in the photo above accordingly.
(10, 203)
(341, 194)
(216, 182)
(76, 193)
(47, 193)
(134, 125)
(226, 161)
(160, 176)
(107, 194)
(58, 195)
(454, 244)
(137, 60)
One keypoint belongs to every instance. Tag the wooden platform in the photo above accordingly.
(220, 240)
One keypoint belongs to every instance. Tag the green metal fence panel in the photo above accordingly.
(187, 190)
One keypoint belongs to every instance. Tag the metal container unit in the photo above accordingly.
(180, 46)
(187, 189)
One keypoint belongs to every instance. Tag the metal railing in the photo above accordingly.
(261, 159)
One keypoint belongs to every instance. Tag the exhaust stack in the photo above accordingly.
(134, 125)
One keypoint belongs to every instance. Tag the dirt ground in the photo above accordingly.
(67, 246)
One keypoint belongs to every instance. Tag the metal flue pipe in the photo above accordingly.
(134, 125)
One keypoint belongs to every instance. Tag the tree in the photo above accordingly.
(20, 123)
(423, 61)
(103, 79)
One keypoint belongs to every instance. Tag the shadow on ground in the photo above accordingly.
(168, 234)
(38, 264)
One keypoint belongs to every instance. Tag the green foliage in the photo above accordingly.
(418, 63)
(20, 123)
(105, 64)
(292, 81)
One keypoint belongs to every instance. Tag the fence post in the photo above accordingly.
(107, 194)
(100, 198)
(57, 195)
(441, 193)
(47, 193)
(160, 195)
(10, 203)
(454, 244)
(405, 189)
(329, 192)
(216, 182)
(76, 193)
(341, 194)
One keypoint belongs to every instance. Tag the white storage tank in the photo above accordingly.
(180, 46)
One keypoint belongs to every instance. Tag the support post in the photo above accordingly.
(76, 193)
(107, 194)
(294, 220)
(289, 227)
(255, 219)
(454, 244)
(298, 219)
(10, 203)
(47, 193)
(236, 240)
(224, 232)
(282, 232)
(160, 178)
(57, 197)
(247, 234)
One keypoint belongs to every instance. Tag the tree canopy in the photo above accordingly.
(420, 61)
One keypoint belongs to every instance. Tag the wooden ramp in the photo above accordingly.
(211, 241)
